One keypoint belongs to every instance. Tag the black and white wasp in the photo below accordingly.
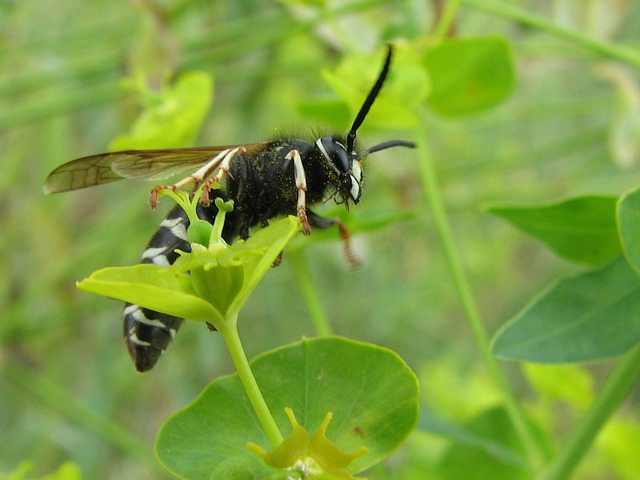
(265, 180)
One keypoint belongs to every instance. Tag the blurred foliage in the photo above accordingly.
(67, 388)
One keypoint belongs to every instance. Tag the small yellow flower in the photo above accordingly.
(311, 456)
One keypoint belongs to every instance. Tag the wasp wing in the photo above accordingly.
(140, 164)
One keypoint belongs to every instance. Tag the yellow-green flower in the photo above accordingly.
(310, 456)
(220, 276)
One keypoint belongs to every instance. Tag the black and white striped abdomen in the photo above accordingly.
(147, 333)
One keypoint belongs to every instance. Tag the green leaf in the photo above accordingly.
(372, 393)
(173, 118)
(581, 229)
(469, 74)
(589, 317)
(492, 450)
(272, 240)
(153, 287)
(629, 223)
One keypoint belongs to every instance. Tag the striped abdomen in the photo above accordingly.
(147, 333)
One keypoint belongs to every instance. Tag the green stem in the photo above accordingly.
(309, 293)
(505, 10)
(434, 198)
(229, 332)
(613, 392)
(446, 20)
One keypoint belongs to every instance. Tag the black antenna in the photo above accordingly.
(385, 145)
(351, 137)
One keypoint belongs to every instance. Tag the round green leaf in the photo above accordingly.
(581, 229)
(589, 317)
(469, 74)
(372, 393)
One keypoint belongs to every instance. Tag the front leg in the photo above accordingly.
(322, 222)
(301, 186)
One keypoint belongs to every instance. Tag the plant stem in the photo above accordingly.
(309, 293)
(615, 389)
(608, 49)
(446, 20)
(434, 197)
(229, 332)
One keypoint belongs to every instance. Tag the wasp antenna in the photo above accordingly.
(351, 137)
(385, 145)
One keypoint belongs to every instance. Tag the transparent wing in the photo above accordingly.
(141, 164)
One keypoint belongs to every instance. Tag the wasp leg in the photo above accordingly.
(323, 223)
(222, 162)
(223, 169)
(225, 164)
(301, 185)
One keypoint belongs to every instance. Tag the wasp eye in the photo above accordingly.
(334, 152)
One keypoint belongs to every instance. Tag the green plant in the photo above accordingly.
(371, 393)
(529, 109)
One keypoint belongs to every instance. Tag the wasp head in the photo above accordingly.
(342, 164)
(345, 170)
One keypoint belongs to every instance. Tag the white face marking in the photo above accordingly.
(355, 189)
(356, 171)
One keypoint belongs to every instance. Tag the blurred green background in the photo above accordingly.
(68, 390)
